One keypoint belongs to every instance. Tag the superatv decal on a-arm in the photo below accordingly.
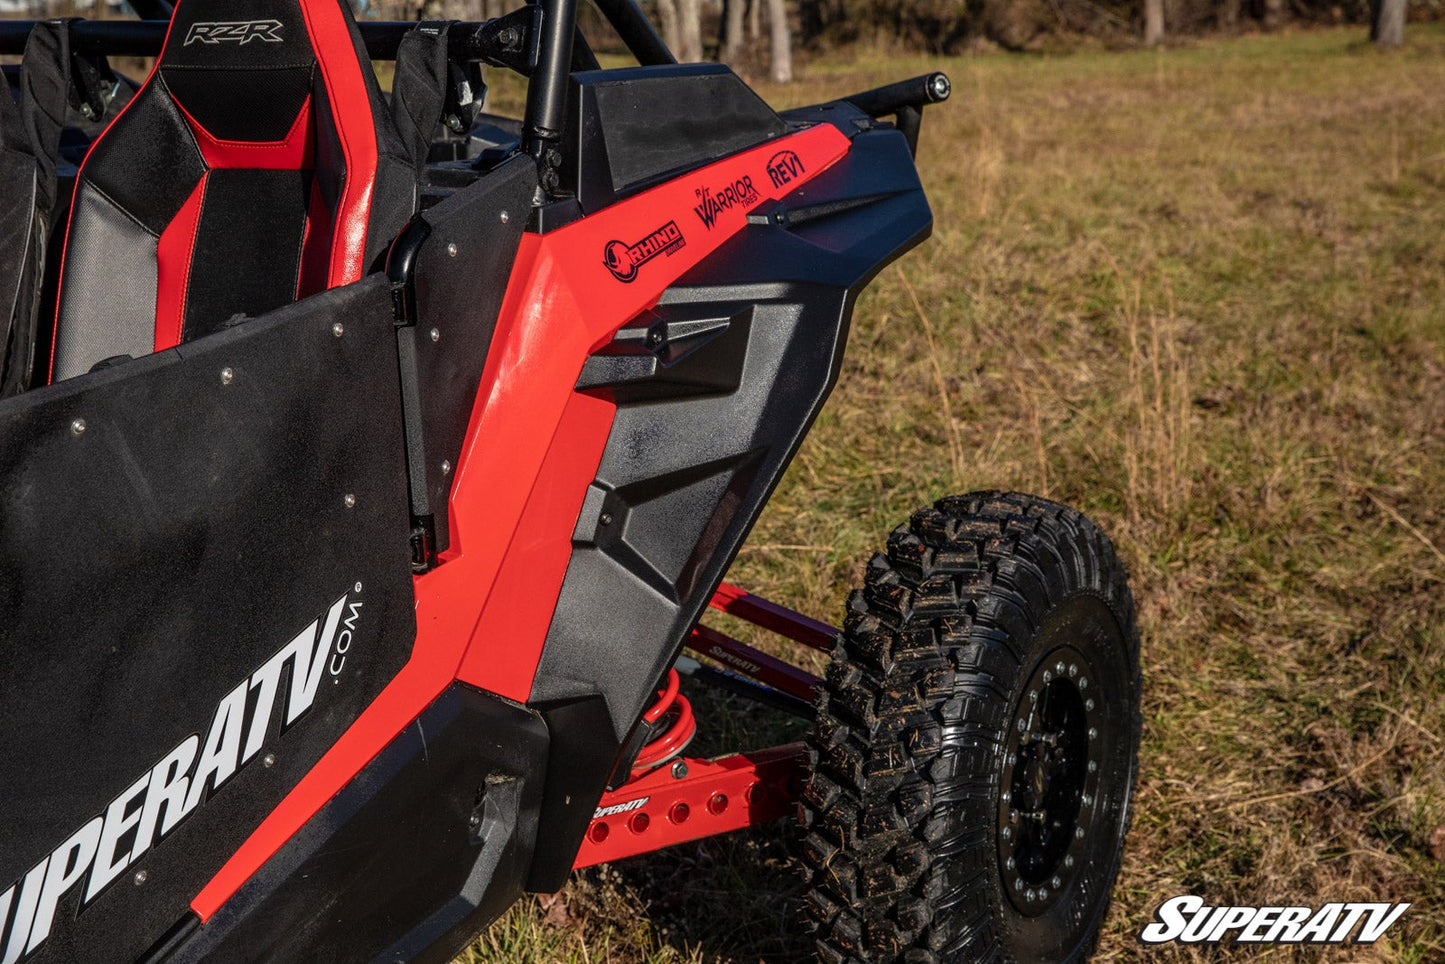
(169, 792)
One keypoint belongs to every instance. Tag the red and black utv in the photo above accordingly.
(366, 463)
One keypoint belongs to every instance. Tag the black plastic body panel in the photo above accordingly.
(629, 128)
(421, 850)
(460, 278)
(749, 346)
(167, 525)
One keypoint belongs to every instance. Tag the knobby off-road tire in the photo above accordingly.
(976, 741)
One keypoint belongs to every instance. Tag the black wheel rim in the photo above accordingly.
(1049, 791)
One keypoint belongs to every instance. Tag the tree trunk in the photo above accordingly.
(1388, 27)
(732, 40)
(667, 14)
(1153, 22)
(689, 19)
(782, 41)
(1229, 15)
(1273, 14)
(755, 19)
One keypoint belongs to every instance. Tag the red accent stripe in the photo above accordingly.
(350, 101)
(173, 268)
(315, 245)
(519, 469)
(295, 152)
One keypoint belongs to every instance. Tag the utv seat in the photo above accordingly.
(256, 165)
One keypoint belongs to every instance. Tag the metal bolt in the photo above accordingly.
(349, 500)
(1009, 864)
(474, 821)
(1087, 800)
(1006, 796)
(1069, 860)
(446, 467)
(1022, 725)
(1013, 758)
(1073, 669)
(140, 877)
(1093, 766)
(1048, 676)
(1079, 833)
(1056, 882)
(1059, 667)
(605, 518)
(1030, 894)
(1088, 704)
(1084, 683)
(1006, 833)
(679, 769)
(452, 250)
(338, 329)
(941, 87)
(269, 760)
(1033, 696)
(436, 335)
(77, 427)
(227, 376)
(505, 217)
(1093, 732)
(1018, 884)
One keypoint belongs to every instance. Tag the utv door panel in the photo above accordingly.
(204, 578)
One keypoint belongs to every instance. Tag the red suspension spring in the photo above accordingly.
(677, 733)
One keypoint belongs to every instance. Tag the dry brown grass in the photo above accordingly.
(1201, 295)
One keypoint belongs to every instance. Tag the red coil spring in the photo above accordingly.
(678, 733)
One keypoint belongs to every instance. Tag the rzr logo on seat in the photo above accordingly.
(234, 32)
(151, 807)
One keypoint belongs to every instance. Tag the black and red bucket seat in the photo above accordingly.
(258, 164)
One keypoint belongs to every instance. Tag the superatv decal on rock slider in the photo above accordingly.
(785, 167)
(234, 32)
(717, 200)
(152, 806)
(624, 259)
(617, 808)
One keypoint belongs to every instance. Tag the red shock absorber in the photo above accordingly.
(672, 714)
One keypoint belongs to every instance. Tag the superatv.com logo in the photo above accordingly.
(623, 259)
(1188, 920)
(182, 780)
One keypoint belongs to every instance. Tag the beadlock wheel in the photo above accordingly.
(975, 747)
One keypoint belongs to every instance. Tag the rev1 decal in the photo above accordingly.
(785, 167)
(152, 806)
(624, 259)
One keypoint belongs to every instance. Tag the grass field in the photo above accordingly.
(1200, 294)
